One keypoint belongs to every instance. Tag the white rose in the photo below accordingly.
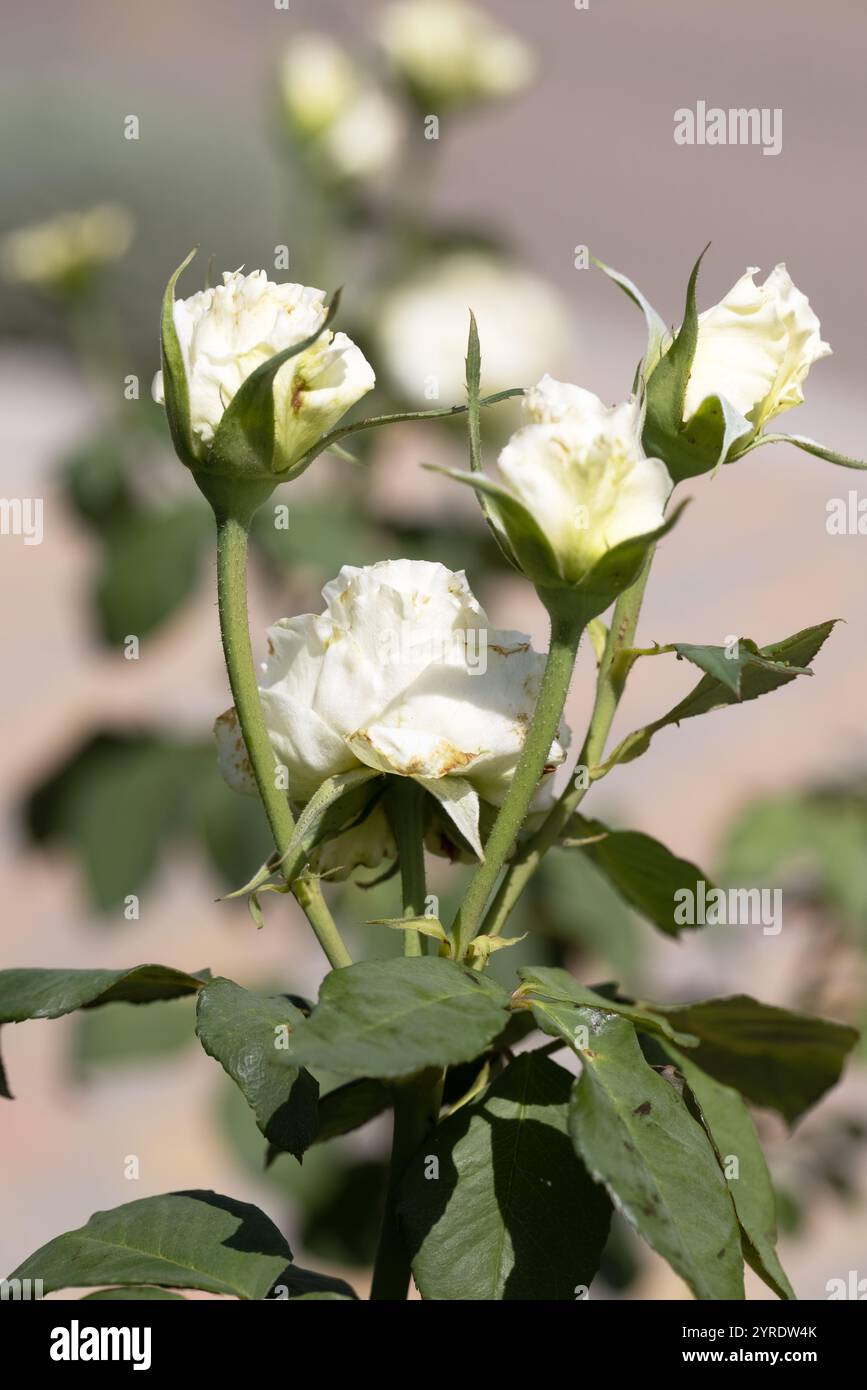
(402, 674)
(579, 468)
(66, 249)
(226, 332)
(756, 348)
(422, 327)
(318, 82)
(450, 53)
(366, 139)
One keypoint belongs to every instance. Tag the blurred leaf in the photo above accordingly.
(344, 1227)
(323, 532)
(349, 1107)
(570, 900)
(95, 480)
(149, 566)
(116, 803)
(117, 1036)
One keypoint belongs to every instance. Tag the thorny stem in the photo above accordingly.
(232, 536)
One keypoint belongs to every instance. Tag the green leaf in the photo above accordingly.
(733, 1135)
(527, 545)
(727, 665)
(244, 439)
(246, 1033)
(643, 871)
(514, 1214)
(302, 1285)
(774, 1057)
(350, 1106)
(138, 1293)
(393, 1017)
(175, 387)
(637, 1137)
(149, 566)
(39, 993)
(785, 661)
(116, 1036)
(553, 986)
(185, 1240)
(52, 993)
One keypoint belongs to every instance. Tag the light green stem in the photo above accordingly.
(417, 1100)
(609, 689)
(232, 535)
(565, 636)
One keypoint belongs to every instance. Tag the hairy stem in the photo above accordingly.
(609, 689)
(232, 535)
(565, 636)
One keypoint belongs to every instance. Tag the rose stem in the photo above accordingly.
(232, 536)
(565, 635)
(609, 689)
(417, 1100)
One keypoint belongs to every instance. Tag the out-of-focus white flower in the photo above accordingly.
(450, 53)
(422, 324)
(389, 678)
(352, 130)
(578, 467)
(366, 139)
(318, 82)
(756, 347)
(226, 332)
(67, 249)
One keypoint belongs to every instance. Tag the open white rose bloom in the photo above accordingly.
(755, 348)
(453, 53)
(578, 466)
(226, 332)
(402, 674)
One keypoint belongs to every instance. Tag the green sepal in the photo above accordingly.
(244, 441)
(176, 391)
(658, 335)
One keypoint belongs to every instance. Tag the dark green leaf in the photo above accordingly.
(793, 654)
(727, 665)
(643, 871)
(188, 1240)
(52, 993)
(548, 987)
(246, 1033)
(733, 1135)
(774, 1057)
(393, 1017)
(512, 1213)
(636, 1136)
(351, 1106)
(306, 1284)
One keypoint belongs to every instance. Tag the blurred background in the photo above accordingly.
(226, 125)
